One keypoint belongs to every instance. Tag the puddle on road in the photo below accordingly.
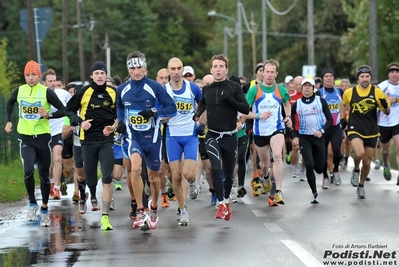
(61, 243)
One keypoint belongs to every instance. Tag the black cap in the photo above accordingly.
(235, 79)
(363, 69)
(259, 66)
(325, 71)
(98, 65)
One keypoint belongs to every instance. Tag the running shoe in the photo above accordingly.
(302, 175)
(133, 210)
(256, 185)
(288, 158)
(214, 199)
(64, 189)
(233, 195)
(267, 185)
(141, 218)
(154, 219)
(94, 204)
(184, 219)
(83, 205)
(326, 183)
(241, 191)
(178, 209)
(345, 163)
(387, 172)
(44, 218)
(272, 202)
(361, 193)
(147, 189)
(56, 194)
(32, 209)
(355, 178)
(337, 179)
(228, 213)
(105, 224)
(193, 189)
(171, 193)
(118, 185)
(75, 197)
(222, 211)
(112, 205)
(295, 174)
(164, 200)
(331, 178)
(397, 180)
(315, 199)
(368, 179)
(278, 197)
(377, 164)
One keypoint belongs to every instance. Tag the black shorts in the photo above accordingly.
(56, 140)
(164, 155)
(77, 156)
(369, 142)
(67, 150)
(202, 149)
(388, 132)
(262, 141)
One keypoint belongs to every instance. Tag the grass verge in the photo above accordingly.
(12, 186)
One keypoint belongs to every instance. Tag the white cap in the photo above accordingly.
(288, 79)
(307, 80)
(188, 69)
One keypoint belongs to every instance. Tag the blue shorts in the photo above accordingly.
(125, 148)
(177, 145)
(151, 153)
(118, 152)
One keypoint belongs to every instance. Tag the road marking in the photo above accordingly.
(247, 200)
(259, 213)
(273, 227)
(301, 253)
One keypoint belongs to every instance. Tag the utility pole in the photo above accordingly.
(264, 31)
(310, 33)
(80, 41)
(31, 30)
(65, 63)
(373, 40)
(253, 37)
(239, 40)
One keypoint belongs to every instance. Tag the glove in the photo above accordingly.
(147, 113)
(224, 95)
(343, 123)
(121, 128)
(383, 102)
(201, 129)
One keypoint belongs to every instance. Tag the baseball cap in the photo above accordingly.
(188, 69)
(288, 79)
(307, 80)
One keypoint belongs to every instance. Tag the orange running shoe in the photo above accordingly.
(164, 201)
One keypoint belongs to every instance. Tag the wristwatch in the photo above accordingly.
(322, 130)
(154, 110)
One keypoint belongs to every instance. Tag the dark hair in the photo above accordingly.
(60, 79)
(117, 80)
(47, 72)
(220, 57)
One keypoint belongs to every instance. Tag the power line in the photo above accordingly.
(279, 12)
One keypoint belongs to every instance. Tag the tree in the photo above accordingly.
(8, 71)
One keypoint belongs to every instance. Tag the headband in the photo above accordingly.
(363, 69)
(393, 68)
(136, 62)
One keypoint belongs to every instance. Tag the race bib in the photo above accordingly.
(29, 111)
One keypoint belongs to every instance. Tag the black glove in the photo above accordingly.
(224, 95)
(195, 117)
(201, 129)
(383, 102)
(343, 123)
(147, 113)
(121, 128)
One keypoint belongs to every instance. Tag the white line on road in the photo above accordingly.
(259, 213)
(302, 254)
(247, 200)
(273, 227)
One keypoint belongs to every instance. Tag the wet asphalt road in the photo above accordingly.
(296, 234)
